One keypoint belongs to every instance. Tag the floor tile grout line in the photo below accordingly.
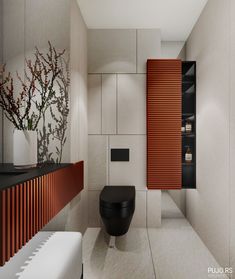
(150, 249)
(151, 254)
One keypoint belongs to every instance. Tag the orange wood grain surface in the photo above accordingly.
(164, 118)
(27, 207)
(3, 220)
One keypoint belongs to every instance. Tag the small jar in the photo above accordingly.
(188, 127)
(188, 156)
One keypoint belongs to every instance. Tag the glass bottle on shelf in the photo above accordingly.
(188, 155)
(188, 127)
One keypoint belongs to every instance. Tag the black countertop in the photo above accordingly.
(9, 176)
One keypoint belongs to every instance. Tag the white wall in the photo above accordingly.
(74, 217)
(117, 116)
(171, 49)
(13, 56)
(232, 141)
(182, 54)
(179, 197)
(208, 206)
(26, 24)
(1, 61)
(79, 117)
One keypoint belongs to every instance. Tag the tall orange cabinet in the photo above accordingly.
(164, 119)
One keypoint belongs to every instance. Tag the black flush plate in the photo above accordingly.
(120, 155)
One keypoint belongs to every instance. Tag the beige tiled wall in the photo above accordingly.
(109, 104)
(117, 116)
(134, 171)
(111, 51)
(98, 160)
(94, 104)
(132, 104)
(148, 46)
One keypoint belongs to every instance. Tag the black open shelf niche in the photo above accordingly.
(189, 114)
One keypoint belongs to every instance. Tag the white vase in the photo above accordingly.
(25, 149)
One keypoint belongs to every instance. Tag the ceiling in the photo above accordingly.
(175, 18)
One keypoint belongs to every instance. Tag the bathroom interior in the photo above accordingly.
(130, 106)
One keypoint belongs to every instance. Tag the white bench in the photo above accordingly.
(48, 255)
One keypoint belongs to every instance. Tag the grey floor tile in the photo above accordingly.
(129, 259)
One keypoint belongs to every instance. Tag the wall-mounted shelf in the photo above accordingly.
(189, 115)
(186, 86)
(188, 135)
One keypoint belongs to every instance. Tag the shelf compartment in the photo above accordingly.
(188, 79)
(188, 92)
(187, 134)
(191, 135)
(188, 164)
(188, 103)
(187, 85)
(188, 142)
(188, 116)
(188, 176)
(188, 68)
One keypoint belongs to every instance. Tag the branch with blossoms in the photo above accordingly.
(60, 116)
(16, 109)
(26, 107)
(59, 112)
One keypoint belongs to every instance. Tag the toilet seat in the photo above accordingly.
(115, 197)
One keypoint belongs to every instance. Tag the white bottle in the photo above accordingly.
(188, 127)
(188, 156)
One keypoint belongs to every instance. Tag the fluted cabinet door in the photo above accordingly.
(164, 98)
(26, 208)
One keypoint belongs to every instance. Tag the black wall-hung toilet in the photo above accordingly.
(117, 206)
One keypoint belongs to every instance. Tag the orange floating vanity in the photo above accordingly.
(30, 199)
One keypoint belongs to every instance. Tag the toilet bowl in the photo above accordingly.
(117, 206)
